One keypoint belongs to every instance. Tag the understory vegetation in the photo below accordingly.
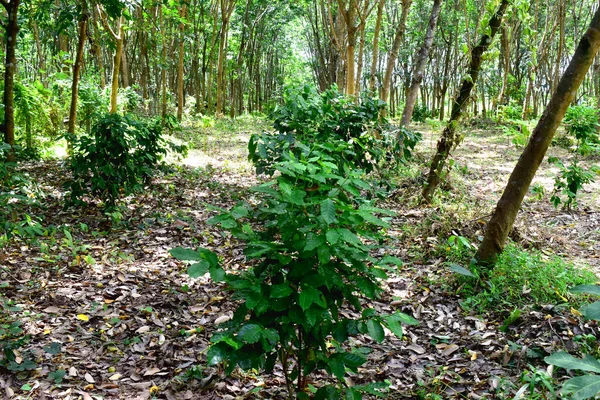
(351, 199)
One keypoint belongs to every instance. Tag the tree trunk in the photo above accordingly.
(77, 67)
(393, 54)
(421, 63)
(509, 204)
(114, 89)
(182, 13)
(376, 45)
(450, 138)
(12, 29)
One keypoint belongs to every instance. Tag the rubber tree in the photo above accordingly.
(393, 54)
(421, 63)
(501, 222)
(11, 28)
(450, 137)
(117, 34)
(83, 21)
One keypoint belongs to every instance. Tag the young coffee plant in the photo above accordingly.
(582, 123)
(588, 385)
(308, 240)
(569, 181)
(311, 117)
(117, 159)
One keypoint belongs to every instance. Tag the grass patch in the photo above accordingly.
(521, 278)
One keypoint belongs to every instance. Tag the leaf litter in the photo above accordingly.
(130, 324)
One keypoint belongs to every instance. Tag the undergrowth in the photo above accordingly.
(524, 277)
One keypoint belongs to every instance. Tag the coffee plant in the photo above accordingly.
(311, 117)
(308, 242)
(117, 159)
(582, 123)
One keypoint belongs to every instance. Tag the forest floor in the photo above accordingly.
(112, 315)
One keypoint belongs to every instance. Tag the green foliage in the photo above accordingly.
(510, 112)
(311, 117)
(523, 277)
(518, 132)
(569, 181)
(421, 113)
(582, 123)
(13, 338)
(586, 386)
(306, 239)
(117, 159)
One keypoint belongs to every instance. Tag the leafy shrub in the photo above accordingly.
(307, 242)
(310, 117)
(523, 277)
(117, 159)
(569, 181)
(421, 113)
(518, 132)
(510, 111)
(582, 123)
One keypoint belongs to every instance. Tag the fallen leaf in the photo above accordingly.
(83, 317)
(151, 371)
(88, 378)
(115, 377)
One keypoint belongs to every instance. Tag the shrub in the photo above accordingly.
(582, 123)
(310, 117)
(569, 181)
(116, 159)
(510, 111)
(421, 113)
(307, 240)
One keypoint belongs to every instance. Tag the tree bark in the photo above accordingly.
(227, 7)
(450, 138)
(375, 59)
(501, 222)
(77, 66)
(422, 57)
(182, 14)
(393, 54)
(12, 29)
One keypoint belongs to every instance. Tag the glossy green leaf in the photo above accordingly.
(185, 254)
(375, 330)
(250, 333)
(198, 269)
(589, 289)
(568, 362)
(328, 211)
(582, 387)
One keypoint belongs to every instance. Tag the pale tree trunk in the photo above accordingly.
(421, 63)
(77, 67)
(505, 62)
(561, 42)
(227, 7)
(502, 221)
(12, 29)
(117, 36)
(98, 49)
(375, 59)
(393, 54)
(182, 15)
(450, 137)
(163, 69)
(38, 46)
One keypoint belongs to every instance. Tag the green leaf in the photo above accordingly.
(57, 376)
(592, 311)
(185, 254)
(54, 348)
(250, 333)
(198, 269)
(280, 291)
(590, 289)
(348, 236)
(394, 326)
(328, 211)
(375, 330)
(404, 318)
(332, 236)
(314, 242)
(461, 270)
(353, 360)
(239, 212)
(582, 387)
(568, 362)
(217, 274)
(337, 368)
(217, 353)
(308, 296)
